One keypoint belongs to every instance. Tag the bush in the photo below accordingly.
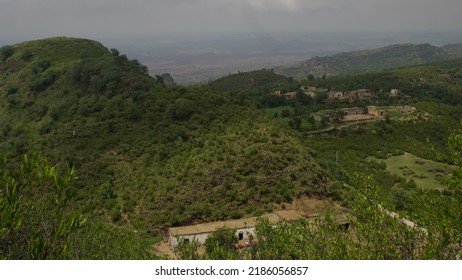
(46, 128)
(27, 56)
(116, 215)
(43, 82)
(6, 52)
(182, 109)
(221, 245)
(11, 90)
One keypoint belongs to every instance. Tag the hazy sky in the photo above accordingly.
(28, 19)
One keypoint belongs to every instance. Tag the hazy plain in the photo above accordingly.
(197, 59)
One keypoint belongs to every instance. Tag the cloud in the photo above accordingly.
(99, 17)
(277, 5)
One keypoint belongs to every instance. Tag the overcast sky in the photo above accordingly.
(30, 19)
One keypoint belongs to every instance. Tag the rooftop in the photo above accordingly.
(288, 215)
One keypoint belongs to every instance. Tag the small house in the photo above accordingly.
(290, 95)
(374, 111)
(395, 93)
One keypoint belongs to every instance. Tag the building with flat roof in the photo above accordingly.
(244, 227)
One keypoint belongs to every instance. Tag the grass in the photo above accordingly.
(426, 173)
(284, 121)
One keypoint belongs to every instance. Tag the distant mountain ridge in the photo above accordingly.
(453, 49)
(372, 60)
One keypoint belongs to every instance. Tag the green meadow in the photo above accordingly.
(427, 174)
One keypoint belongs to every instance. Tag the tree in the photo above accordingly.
(324, 122)
(338, 116)
(295, 123)
(6, 52)
(187, 250)
(182, 109)
(35, 220)
(285, 113)
(312, 121)
(442, 215)
(115, 52)
(221, 245)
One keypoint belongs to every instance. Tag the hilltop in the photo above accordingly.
(371, 60)
(148, 155)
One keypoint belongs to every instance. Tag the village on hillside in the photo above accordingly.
(349, 114)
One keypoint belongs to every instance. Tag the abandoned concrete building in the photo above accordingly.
(406, 109)
(374, 111)
(360, 94)
(244, 227)
(350, 114)
(334, 94)
(395, 92)
(354, 111)
(311, 94)
(331, 115)
(290, 95)
(308, 88)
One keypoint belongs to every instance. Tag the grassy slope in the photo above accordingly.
(148, 156)
(373, 60)
(426, 173)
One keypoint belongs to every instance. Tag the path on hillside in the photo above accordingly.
(395, 215)
(339, 126)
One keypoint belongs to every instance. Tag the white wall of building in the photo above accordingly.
(201, 237)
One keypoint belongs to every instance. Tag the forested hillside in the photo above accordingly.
(373, 60)
(147, 155)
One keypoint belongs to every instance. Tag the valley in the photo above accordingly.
(133, 156)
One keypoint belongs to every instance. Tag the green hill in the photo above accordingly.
(256, 86)
(147, 155)
(453, 49)
(250, 80)
(373, 60)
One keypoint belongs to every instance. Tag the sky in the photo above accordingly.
(32, 19)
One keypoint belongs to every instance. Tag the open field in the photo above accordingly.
(285, 120)
(426, 173)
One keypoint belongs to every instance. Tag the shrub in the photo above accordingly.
(27, 56)
(6, 52)
(43, 82)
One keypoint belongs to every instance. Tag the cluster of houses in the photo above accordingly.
(347, 114)
(359, 94)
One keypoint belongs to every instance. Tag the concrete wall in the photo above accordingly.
(201, 237)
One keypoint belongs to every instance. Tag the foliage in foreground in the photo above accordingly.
(37, 220)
